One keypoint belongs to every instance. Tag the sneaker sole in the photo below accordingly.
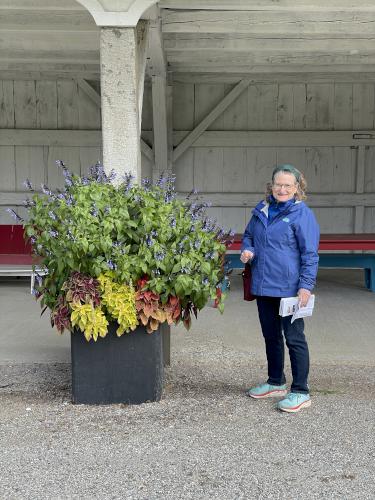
(295, 409)
(271, 394)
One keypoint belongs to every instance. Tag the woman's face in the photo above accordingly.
(284, 186)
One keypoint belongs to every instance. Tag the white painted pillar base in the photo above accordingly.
(122, 52)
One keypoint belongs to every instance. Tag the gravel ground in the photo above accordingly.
(205, 439)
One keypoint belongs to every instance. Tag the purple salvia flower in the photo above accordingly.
(111, 265)
(28, 185)
(205, 281)
(159, 256)
(14, 215)
(146, 183)
(112, 176)
(52, 215)
(149, 241)
(53, 233)
(46, 190)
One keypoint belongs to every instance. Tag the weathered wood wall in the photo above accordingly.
(341, 174)
(337, 170)
(57, 105)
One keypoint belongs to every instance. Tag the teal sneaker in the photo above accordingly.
(267, 391)
(294, 402)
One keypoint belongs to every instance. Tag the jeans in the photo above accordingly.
(272, 327)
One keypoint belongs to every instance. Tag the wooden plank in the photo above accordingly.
(89, 91)
(6, 104)
(147, 118)
(369, 220)
(208, 169)
(8, 168)
(336, 200)
(369, 170)
(210, 118)
(332, 220)
(234, 139)
(300, 78)
(299, 106)
(67, 105)
(234, 169)
(161, 147)
(343, 106)
(21, 137)
(29, 162)
(244, 67)
(207, 97)
(285, 107)
(24, 104)
(319, 108)
(183, 168)
(268, 23)
(89, 106)
(218, 58)
(262, 111)
(42, 42)
(46, 104)
(62, 21)
(235, 117)
(183, 106)
(291, 6)
(41, 5)
(363, 105)
(224, 45)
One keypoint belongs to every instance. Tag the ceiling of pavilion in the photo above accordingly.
(59, 38)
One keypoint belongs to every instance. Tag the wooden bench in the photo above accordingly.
(342, 242)
(15, 254)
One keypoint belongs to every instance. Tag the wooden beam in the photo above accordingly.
(41, 5)
(210, 118)
(274, 77)
(253, 69)
(263, 24)
(47, 20)
(73, 138)
(222, 58)
(89, 91)
(160, 124)
(155, 52)
(236, 139)
(240, 43)
(269, 5)
(244, 200)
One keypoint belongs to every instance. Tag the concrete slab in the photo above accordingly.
(341, 330)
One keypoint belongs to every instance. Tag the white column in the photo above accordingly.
(122, 51)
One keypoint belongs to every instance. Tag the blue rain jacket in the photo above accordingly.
(285, 250)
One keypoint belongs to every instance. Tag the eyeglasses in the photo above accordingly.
(288, 187)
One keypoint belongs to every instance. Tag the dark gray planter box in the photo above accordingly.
(126, 369)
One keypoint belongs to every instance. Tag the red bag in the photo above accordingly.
(246, 279)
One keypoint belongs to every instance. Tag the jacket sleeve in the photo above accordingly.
(247, 240)
(307, 234)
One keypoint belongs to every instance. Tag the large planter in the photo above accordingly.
(126, 369)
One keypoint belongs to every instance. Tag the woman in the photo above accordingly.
(282, 240)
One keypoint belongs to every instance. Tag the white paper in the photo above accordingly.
(289, 306)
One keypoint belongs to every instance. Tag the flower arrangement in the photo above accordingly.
(114, 251)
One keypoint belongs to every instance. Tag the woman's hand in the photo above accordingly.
(246, 255)
(303, 296)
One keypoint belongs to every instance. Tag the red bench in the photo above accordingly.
(15, 254)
